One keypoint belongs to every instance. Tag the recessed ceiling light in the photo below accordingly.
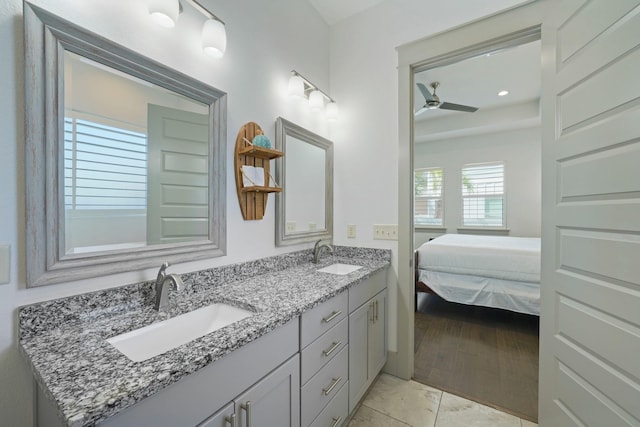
(503, 93)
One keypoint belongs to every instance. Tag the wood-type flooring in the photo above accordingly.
(483, 354)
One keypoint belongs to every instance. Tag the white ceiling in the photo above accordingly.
(476, 82)
(334, 11)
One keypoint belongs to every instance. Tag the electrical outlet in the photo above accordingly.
(385, 232)
(351, 231)
(5, 264)
(291, 227)
(312, 226)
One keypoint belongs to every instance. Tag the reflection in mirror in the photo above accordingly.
(125, 157)
(135, 173)
(304, 210)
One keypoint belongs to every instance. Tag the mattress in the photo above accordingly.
(498, 257)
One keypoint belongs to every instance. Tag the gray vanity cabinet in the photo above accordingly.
(367, 334)
(324, 336)
(265, 372)
(273, 401)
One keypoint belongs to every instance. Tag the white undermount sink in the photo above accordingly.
(340, 269)
(146, 342)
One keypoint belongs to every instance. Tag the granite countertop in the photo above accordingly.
(64, 340)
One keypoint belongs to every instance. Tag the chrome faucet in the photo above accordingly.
(162, 299)
(317, 250)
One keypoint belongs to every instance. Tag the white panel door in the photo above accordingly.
(178, 166)
(590, 309)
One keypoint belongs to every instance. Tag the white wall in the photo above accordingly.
(519, 149)
(364, 82)
(264, 44)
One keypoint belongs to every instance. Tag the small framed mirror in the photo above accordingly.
(125, 158)
(304, 209)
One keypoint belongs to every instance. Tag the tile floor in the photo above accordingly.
(393, 402)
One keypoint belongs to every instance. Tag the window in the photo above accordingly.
(483, 195)
(105, 167)
(428, 201)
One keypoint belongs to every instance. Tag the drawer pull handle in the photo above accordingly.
(336, 421)
(247, 407)
(231, 420)
(331, 349)
(331, 316)
(333, 385)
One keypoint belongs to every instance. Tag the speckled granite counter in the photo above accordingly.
(64, 340)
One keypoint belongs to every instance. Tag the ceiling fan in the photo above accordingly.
(432, 101)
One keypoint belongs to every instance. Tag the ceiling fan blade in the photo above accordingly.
(457, 107)
(425, 92)
(420, 111)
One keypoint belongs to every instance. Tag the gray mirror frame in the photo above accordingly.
(286, 128)
(46, 38)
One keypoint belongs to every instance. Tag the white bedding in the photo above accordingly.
(491, 271)
(500, 257)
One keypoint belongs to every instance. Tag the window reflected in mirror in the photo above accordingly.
(135, 172)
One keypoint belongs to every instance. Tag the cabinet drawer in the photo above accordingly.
(319, 320)
(321, 351)
(367, 289)
(336, 411)
(321, 388)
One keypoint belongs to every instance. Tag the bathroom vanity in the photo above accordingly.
(304, 357)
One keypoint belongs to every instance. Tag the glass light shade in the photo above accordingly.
(214, 38)
(165, 12)
(296, 87)
(316, 101)
(332, 111)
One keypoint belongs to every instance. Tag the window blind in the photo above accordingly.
(105, 167)
(428, 200)
(483, 195)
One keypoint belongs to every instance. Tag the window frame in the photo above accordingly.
(442, 198)
(464, 226)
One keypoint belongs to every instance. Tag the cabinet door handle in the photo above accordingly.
(247, 407)
(376, 308)
(231, 420)
(336, 421)
(331, 316)
(331, 349)
(373, 315)
(333, 385)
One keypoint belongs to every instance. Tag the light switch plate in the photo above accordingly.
(351, 231)
(312, 226)
(385, 232)
(5, 264)
(291, 226)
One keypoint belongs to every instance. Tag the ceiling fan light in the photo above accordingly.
(332, 111)
(296, 87)
(165, 12)
(316, 101)
(214, 38)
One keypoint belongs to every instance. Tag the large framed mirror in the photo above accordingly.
(125, 158)
(304, 209)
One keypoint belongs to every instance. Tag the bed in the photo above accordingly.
(493, 271)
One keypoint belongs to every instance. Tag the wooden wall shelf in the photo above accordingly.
(253, 200)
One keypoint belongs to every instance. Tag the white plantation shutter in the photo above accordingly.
(428, 200)
(483, 195)
(105, 167)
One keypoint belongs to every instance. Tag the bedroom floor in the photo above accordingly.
(487, 355)
(393, 402)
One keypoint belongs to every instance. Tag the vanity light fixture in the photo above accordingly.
(165, 12)
(316, 101)
(214, 35)
(300, 87)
